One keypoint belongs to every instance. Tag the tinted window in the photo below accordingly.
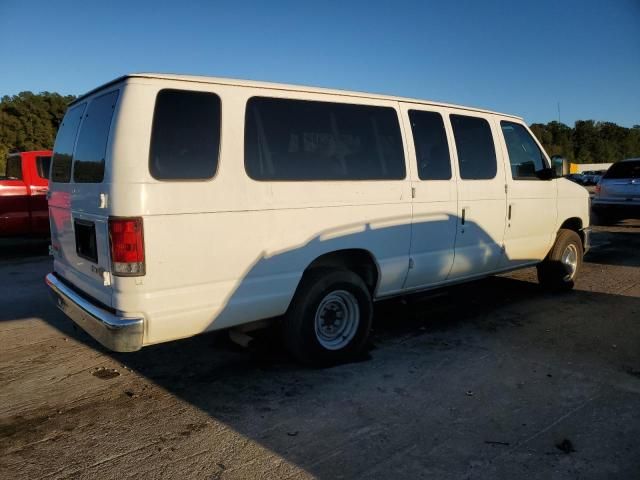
(476, 151)
(624, 170)
(88, 162)
(14, 168)
(524, 155)
(42, 165)
(301, 140)
(63, 148)
(432, 150)
(185, 139)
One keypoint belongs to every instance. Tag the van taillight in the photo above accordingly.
(126, 240)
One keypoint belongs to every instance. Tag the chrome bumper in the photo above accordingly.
(586, 234)
(120, 334)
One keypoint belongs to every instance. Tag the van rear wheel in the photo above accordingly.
(559, 270)
(329, 319)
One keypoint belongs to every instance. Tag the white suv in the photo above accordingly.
(618, 192)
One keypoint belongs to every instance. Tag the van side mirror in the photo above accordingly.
(546, 174)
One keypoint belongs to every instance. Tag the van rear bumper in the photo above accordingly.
(117, 333)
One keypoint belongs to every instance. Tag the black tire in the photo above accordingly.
(298, 327)
(553, 274)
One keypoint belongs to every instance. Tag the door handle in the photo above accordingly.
(464, 211)
(509, 214)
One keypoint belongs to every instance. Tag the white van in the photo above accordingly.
(182, 204)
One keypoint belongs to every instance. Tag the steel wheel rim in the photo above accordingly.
(570, 261)
(337, 319)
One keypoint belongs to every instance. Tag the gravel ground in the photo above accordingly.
(494, 379)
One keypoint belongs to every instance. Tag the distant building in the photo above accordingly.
(585, 167)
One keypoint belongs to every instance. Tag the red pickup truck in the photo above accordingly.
(23, 195)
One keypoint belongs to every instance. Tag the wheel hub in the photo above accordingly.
(337, 319)
(570, 261)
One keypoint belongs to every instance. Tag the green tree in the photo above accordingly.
(29, 121)
(589, 141)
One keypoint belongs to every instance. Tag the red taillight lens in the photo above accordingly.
(126, 240)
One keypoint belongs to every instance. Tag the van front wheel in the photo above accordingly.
(329, 319)
(559, 270)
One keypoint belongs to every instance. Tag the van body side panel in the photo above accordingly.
(481, 213)
(253, 274)
(435, 208)
(573, 202)
(531, 227)
(230, 250)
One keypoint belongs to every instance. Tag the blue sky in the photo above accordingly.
(519, 57)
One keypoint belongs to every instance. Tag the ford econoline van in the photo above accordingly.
(181, 205)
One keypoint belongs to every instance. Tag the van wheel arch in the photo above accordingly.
(359, 261)
(575, 224)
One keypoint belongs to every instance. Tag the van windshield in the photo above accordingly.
(624, 170)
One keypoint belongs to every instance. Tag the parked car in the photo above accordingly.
(592, 177)
(618, 193)
(598, 176)
(182, 204)
(23, 190)
(576, 177)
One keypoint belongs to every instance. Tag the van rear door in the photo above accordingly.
(77, 198)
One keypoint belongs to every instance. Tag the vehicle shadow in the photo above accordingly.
(426, 349)
(14, 248)
(423, 357)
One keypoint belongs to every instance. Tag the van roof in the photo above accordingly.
(282, 86)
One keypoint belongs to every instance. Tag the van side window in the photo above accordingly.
(185, 138)
(525, 156)
(65, 141)
(430, 140)
(476, 150)
(308, 140)
(88, 158)
(43, 164)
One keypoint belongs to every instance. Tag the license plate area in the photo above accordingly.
(86, 240)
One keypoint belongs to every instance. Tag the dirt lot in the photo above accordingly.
(495, 379)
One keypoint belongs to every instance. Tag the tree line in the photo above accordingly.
(589, 141)
(29, 121)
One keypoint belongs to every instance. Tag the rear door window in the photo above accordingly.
(43, 164)
(88, 163)
(185, 138)
(476, 150)
(13, 168)
(299, 140)
(430, 140)
(624, 170)
(65, 141)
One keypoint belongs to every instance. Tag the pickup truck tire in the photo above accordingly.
(329, 319)
(560, 269)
